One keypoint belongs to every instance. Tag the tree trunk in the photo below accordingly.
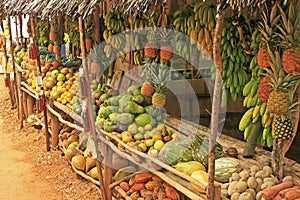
(215, 106)
(251, 142)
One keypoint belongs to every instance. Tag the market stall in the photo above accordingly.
(121, 88)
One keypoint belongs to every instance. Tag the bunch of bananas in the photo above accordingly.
(180, 19)
(257, 109)
(183, 46)
(235, 60)
(114, 22)
(201, 25)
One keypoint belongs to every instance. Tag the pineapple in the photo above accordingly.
(147, 89)
(160, 79)
(151, 46)
(267, 28)
(290, 35)
(263, 57)
(264, 89)
(283, 128)
(166, 50)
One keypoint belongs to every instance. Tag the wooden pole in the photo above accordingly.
(59, 34)
(54, 130)
(96, 24)
(88, 121)
(29, 104)
(5, 66)
(21, 28)
(42, 95)
(14, 82)
(280, 148)
(215, 106)
(17, 31)
(24, 101)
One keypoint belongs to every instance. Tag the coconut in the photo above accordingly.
(78, 162)
(73, 145)
(94, 173)
(70, 153)
(89, 164)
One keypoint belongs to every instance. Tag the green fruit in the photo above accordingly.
(142, 120)
(54, 73)
(138, 136)
(158, 144)
(143, 146)
(148, 127)
(141, 130)
(153, 153)
(133, 129)
(126, 137)
(149, 142)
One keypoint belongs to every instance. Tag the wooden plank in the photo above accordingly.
(72, 114)
(190, 193)
(30, 103)
(54, 130)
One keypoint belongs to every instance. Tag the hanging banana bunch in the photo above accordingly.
(235, 59)
(201, 27)
(180, 19)
(115, 24)
(257, 109)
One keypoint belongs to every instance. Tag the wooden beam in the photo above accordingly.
(42, 97)
(215, 106)
(96, 25)
(87, 114)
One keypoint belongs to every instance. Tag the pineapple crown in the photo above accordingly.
(267, 26)
(290, 25)
(160, 77)
(281, 81)
(165, 35)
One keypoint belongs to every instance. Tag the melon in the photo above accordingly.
(78, 162)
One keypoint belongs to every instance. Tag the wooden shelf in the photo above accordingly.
(68, 111)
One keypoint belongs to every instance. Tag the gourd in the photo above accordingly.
(200, 148)
(202, 177)
(225, 167)
(189, 167)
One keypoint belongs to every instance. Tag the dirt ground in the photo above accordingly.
(27, 170)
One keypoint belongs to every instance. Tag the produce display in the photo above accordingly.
(145, 185)
(256, 183)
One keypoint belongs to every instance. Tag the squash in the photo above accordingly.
(202, 177)
(78, 162)
(200, 148)
(189, 167)
(225, 167)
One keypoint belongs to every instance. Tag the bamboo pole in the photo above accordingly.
(17, 31)
(14, 82)
(59, 34)
(96, 24)
(89, 110)
(21, 28)
(5, 66)
(215, 106)
(43, 100)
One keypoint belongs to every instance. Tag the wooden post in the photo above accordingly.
(54, 129)
(89, 109)
(14, 82)
(96, 24)
(24, 102)
(59, 34)
(21, 28)
(30, 103)
(42, 95)
(215, 106)
(17, 31)
(21, 113)
(280, 148)
(108, 171)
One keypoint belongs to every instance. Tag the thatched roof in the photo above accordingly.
(53, 8)
(14, 7)
(127, 6)
(36, 6)
(238, 6)
(2, 9)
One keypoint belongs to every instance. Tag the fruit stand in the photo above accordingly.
(128, 123)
